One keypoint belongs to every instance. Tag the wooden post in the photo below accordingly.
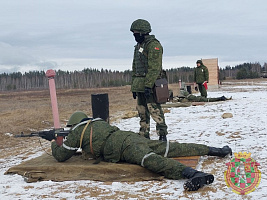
(180, 83)
(50, 74)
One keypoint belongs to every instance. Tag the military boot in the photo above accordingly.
(196, 178)
(223, 98)
(163, 138)
(147, 135)
(221, 152)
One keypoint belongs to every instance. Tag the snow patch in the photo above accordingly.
(246, 131)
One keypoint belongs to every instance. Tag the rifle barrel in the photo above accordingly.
(27, 135)
(57, 133)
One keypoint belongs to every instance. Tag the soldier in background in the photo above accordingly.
(201, 77)
(146, 69)
(186, 97)
(109, 143)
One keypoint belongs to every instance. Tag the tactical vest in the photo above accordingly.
(140, 57)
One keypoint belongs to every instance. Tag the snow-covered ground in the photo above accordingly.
(245, 132)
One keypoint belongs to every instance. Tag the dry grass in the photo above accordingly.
(28, 111)
(31, 110)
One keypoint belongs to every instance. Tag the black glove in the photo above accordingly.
(134, 95)
(148, 92)
(48, 135)
(196, 88)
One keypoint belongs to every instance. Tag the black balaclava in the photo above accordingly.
(139, 37)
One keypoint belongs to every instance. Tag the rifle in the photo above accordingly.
(48, 135)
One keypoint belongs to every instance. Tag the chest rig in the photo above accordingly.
(141, 57)
(141, 61)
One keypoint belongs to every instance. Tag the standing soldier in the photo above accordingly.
(146, 69)
(105, 142)
(201, 77)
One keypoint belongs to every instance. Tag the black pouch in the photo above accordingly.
(161, 90)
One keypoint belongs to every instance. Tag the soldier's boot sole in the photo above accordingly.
(198, 181)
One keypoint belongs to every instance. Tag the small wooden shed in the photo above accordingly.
(212, 65)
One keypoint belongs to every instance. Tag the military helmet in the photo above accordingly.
(183, 94)
(76, 118)
(141, 26)
(200, 62)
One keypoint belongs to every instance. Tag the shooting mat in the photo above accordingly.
(45, 168)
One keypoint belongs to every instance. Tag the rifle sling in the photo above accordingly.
(81, 139)
(91, 142)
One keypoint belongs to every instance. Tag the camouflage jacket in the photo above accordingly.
(106, 142)
(201, 74)
(193, 98)
(190, 98)
(147, 64)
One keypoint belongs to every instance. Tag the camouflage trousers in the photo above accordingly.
(202, 90)
(201, 99)
(146, 108)
(156, 155)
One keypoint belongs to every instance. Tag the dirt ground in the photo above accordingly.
(28, 111)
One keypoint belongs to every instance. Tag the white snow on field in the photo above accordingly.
(245, 132)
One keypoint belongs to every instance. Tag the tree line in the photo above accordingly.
(81, 79)
(64, 79)
(243, 71)
(89, 77)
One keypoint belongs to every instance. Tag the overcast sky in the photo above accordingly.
(74, 34)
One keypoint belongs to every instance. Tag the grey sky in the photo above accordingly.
(71, 35)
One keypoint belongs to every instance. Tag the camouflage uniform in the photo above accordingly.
(146, 69)
(201, 74)
(114, 145)
(193, 98)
